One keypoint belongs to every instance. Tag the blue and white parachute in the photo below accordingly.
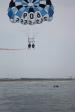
(30, 11)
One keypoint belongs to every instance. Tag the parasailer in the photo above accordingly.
(31, 42)
(30, 11)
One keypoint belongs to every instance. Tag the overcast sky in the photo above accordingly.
(54, 55)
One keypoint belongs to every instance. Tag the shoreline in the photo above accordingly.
(37, 79)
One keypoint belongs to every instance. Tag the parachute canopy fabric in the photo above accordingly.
(30, 11)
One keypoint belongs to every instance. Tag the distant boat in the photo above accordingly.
(56, 86)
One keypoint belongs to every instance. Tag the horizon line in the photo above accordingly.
(35, 79)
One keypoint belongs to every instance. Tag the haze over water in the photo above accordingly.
(54, 55)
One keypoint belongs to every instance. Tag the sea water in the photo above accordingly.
(37, 96)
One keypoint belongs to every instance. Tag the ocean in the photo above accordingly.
(37, 96)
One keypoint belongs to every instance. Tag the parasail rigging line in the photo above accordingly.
(8, 49)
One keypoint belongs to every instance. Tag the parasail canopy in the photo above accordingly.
(30, 11)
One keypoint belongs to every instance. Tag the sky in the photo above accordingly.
(54, 55)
